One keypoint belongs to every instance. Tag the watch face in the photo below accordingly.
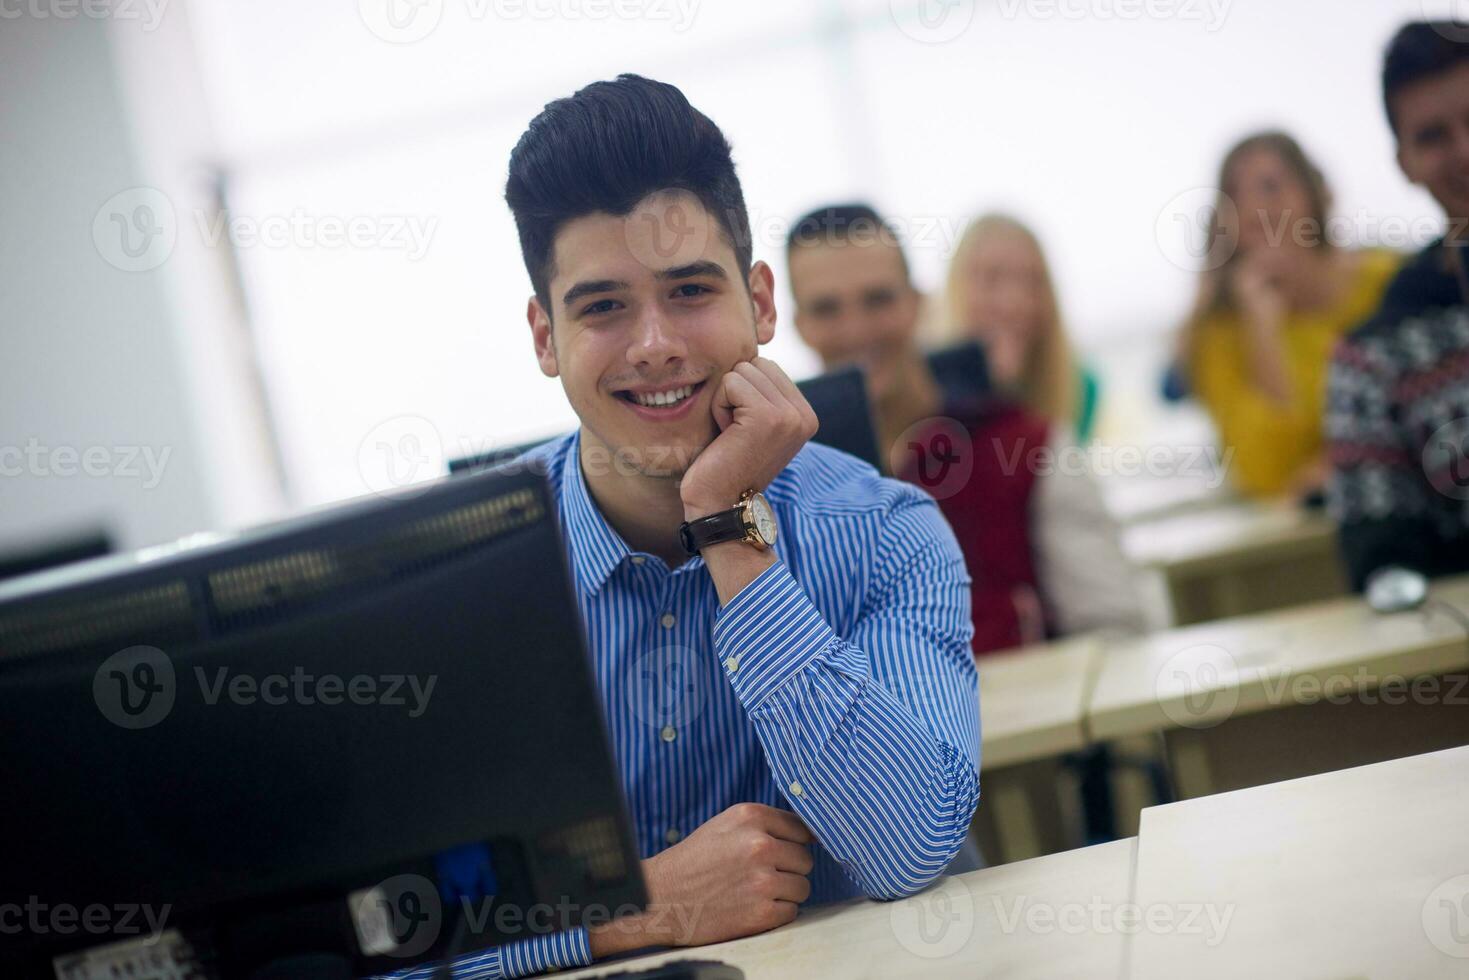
(764, 518)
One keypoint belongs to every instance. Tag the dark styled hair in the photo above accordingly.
(1421, 50)
(606, 148)
(858, 223)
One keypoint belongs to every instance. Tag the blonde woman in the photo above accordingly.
(1000, 293)
(1278, 296)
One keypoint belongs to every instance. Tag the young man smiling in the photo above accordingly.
(1397, 418)
(811, 617)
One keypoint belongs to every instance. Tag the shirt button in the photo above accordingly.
(732, 664)
(668, 621)
(638, 559)
(796, 790)
(669, 733)
(673, 836)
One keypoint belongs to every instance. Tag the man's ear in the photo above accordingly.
(540, 331)
(762, 298)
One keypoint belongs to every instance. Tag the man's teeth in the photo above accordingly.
(660, 399)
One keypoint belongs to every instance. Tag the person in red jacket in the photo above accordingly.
(1042, 552)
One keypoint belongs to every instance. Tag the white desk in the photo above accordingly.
(1346, 874)
(1032, 705)
(1015, 921)
(1284, 694)
(1238, 558)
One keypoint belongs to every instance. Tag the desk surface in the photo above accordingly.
(1017, 921)
(1032, 702)
(1346, 874)
(1227, 536)
(1198, 676)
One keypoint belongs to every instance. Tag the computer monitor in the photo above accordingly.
(962, 371)
(309, 748)
(839, 400)
(60, 550)
(493, 458)
(844, 412)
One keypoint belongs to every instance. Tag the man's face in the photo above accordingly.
(1433, 137)
(648, 313)
(854, 305)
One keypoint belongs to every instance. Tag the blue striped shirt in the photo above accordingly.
(839, 684)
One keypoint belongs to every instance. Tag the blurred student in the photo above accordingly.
(1398, 399)
(1042, 552)
(1000, 293)
(1277, 297)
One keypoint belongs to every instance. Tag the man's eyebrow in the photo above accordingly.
(693, 269)
(591, 287)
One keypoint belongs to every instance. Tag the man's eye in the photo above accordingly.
(690, 289)
(600, 306)
(1434, 135)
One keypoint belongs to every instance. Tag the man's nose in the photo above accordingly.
(655, 340)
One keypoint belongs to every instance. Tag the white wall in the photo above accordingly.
(87, 353)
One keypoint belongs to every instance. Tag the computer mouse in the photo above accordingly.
(1394, 589)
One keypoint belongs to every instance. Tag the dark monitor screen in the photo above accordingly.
(250, 736)
(15, 562)
(962, 371)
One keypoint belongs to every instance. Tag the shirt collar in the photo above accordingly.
(596, 549)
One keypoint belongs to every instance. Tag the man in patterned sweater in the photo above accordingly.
(1398, 397)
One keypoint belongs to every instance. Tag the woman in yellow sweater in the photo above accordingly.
(1276, 297)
